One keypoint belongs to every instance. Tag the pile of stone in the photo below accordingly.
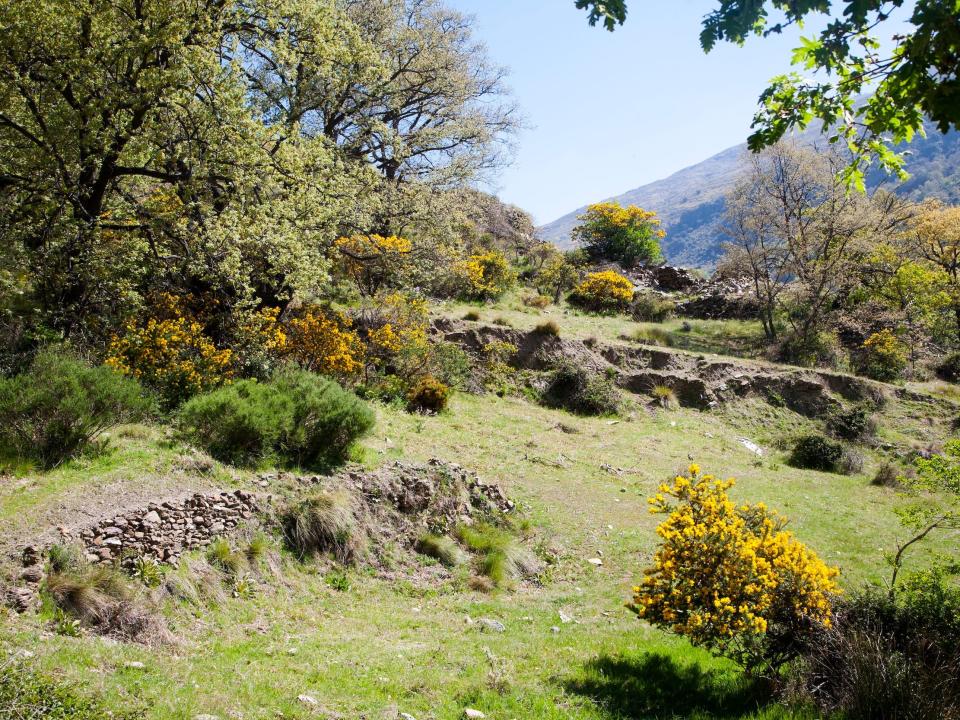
(165, 530)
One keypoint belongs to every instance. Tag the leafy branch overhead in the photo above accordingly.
(912, 77)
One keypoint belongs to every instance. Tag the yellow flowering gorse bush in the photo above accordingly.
(324, 342)
(604, 291)
(884, 357)
(485, 275)
(170, 353)
(729, 577)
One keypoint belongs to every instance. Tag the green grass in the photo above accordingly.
(363, 644)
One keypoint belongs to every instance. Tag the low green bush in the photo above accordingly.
(949, 368)
(581, 390)
(60, 405)
(816, 452)
(650, 307)
(888, 657)
(297, 418)
(855, 423)
(428, 395)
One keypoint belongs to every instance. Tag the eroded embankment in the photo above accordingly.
(699, 381)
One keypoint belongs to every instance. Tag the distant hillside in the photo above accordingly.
(691, 201)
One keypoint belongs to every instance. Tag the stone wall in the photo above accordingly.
(166, 530)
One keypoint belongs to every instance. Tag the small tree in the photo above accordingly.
(730, 578)
(556, 277)
(935, 235)
(935, 504)
(628, 235)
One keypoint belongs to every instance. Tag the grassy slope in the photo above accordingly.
(386, 646)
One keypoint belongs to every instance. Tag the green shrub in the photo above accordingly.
(888, 657)
(808, 351)
(851, 424)
(650, 307)
(816, 452)
(882, 356)
(581, 391)
(58, 407)
(298, 418)
(428, 395)
(324, 523)
(949, 368)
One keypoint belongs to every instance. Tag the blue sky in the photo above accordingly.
(612, 111)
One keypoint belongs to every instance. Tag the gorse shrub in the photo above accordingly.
(428, 395)
(581, 390)
(170, 352)
(627, 234)
(730, 578)
(58, 407)
(649, 307)
(323, 341)
(816, 452)
(297, 418)
(882, 356)
(605, 291)
(485, 275)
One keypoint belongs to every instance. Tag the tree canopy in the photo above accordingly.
(867, 96)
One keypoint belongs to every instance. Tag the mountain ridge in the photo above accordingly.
(691, 201)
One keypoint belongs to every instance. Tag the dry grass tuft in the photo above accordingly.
(325, 523)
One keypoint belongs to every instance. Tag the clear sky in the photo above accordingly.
(612, 111)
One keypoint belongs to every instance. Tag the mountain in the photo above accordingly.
(691, 202)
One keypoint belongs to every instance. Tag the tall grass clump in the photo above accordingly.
(657, 337)
(499, 556)
(441, 547)
(325, 523)
(297, 418)
(59, 406)
(26, 693)
(665, 397)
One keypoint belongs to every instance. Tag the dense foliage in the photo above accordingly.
(56, 408)
(628, 235)
(604, 291)
(581, 390)
(296, 419)
(730, 578)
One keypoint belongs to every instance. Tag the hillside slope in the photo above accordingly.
(691, 201)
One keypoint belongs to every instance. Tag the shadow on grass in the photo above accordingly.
(654, 685)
